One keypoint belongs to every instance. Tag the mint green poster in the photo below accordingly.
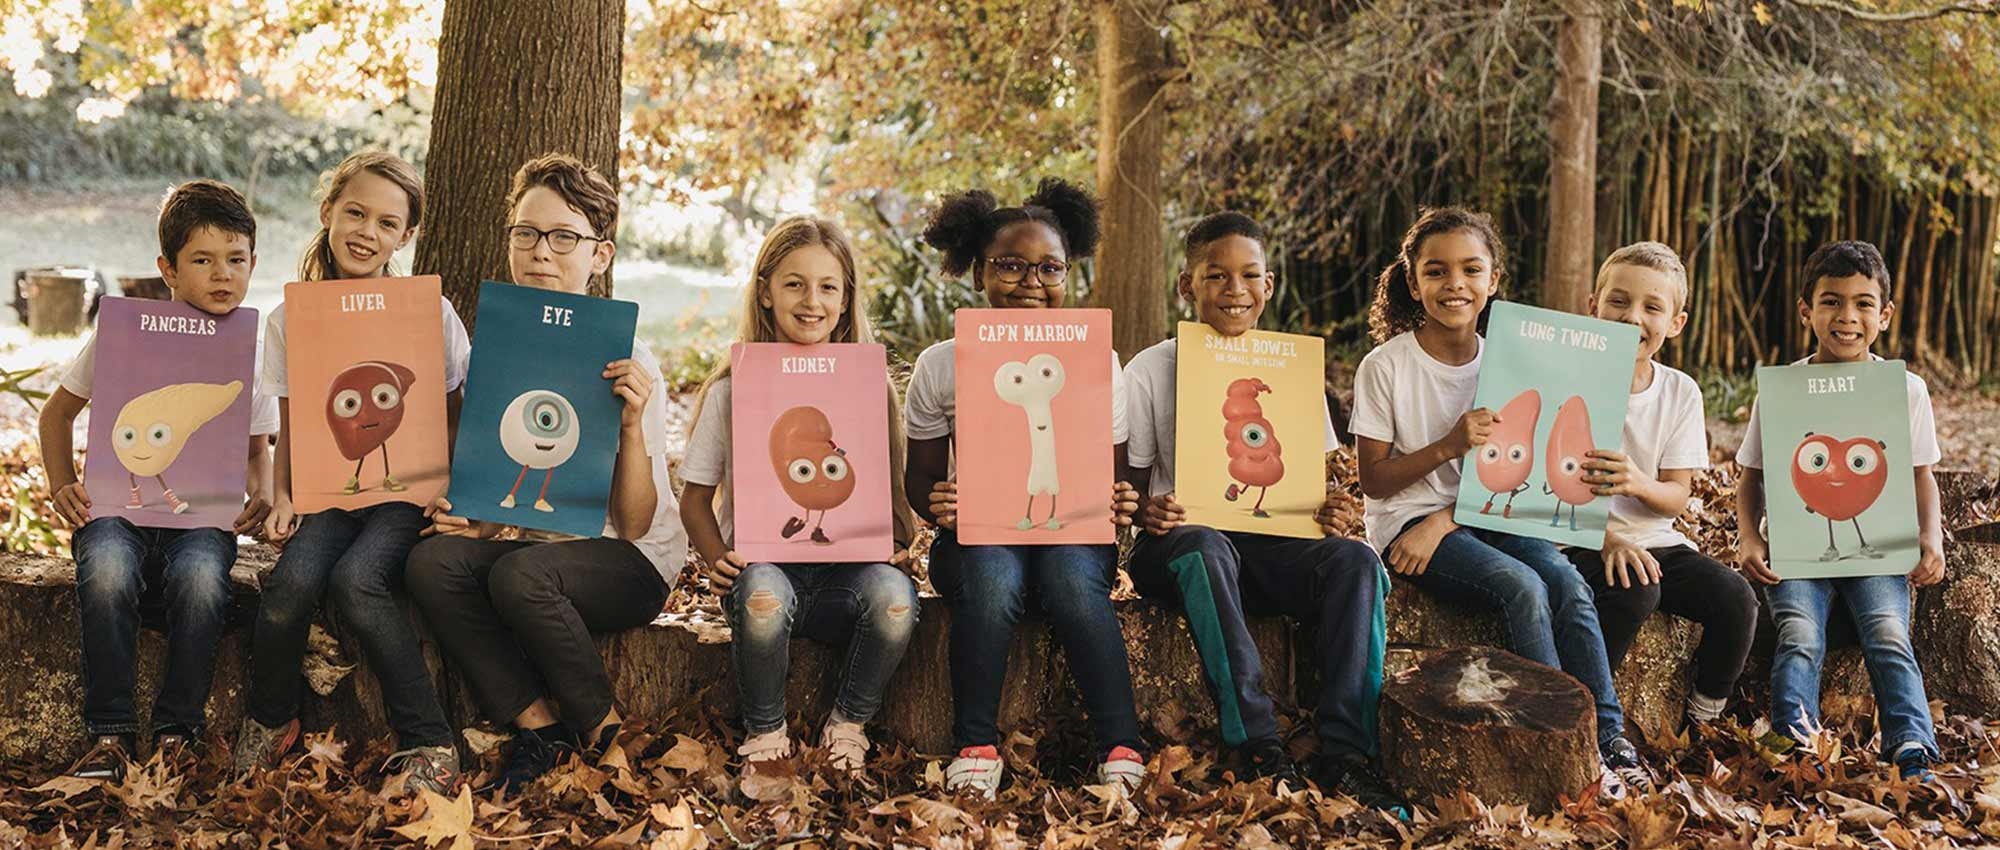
(1840, 490)
(1559, 383)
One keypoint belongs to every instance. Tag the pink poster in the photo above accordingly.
(809, 438)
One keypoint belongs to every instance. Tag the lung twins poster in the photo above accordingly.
(1034, 425)
(1559, 383)
(1251, 430)
(538, 435)
(170, 413)
(1839, 487)
(809, 453)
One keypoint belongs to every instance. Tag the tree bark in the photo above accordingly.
(1132, 69)
(1498, 725)
(1573, 158)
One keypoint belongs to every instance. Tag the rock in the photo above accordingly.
(1506, 729)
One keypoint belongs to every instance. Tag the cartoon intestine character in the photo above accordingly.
(1031, 386)
(1569, 441)
(364, 407)
(811, 468)
(1255, 458)
(1839, 480)
(153, 428)
(538, 430)
(1508, 457)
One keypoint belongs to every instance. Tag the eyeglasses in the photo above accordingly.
(561, 241)
(1016, 270)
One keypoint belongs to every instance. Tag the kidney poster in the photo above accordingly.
(1839, 484)
(170, 413)
(364, 361)
(1034, 425)
(1240, 403)
(538, 435)
(1559, 384)
(809, 453)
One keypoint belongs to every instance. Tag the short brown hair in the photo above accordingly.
(1845, 259)
(1649, 255)
(581, 186)
(203, 203)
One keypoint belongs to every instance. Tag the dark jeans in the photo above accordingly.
(1222, 577)
(869, 608)
(1691, 585)
(183, 573)
(353, 560)
(989, 588)
(516, 617)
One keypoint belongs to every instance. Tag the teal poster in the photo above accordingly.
(1559, 383)
(1839, 486)
(539, 430)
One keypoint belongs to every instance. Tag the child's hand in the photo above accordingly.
(1329, 514)
(1611, 473)
(1472, 431)
(904, 560)
(631, 383)
(1752, 559)
(1124, 503)
(722, 572)
(1626, 565)
(1411, 554)
(252, 518)
(280, 522)
(73, 504)
(944, 504)
(1930, 568)
(442, 522)
(1163, 514)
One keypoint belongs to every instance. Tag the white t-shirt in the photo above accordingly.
(457, 352)
(707, 461)
(930, 408)
(1924, 449)
(665, 542)
(1153, 383)
(1408, 399)
(80, 376)
(1664, 429)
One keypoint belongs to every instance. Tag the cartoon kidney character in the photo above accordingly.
(1508, 457)
(1031, 386)
(1569, 441)
(364, 407)
(153, 428)
(538, 430)
(1255, 457)
(813, 471)
(1839, 480)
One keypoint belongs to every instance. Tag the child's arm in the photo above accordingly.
(1611, 473)
(59, 455)
(1383, 476)
(1930, 531)
(256, 487)
(931, 495)
(1752, 552)
(281, 522)
(634, 499)
(1125, 498)
(705, 535)
(1626, 565)
(1159, 513)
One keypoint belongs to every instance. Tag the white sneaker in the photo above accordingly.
(977, 770)
(762, 750)
(846, 745)
(1123, 767)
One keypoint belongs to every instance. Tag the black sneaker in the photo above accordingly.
(1356, 778)
(534, 752)
(107, 759)
(1624, 772)
(1914, 765)
(1267, 759)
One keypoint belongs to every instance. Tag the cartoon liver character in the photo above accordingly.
(811, 468)
(1569, 441)
(538, 431)
(1840, 479)
(1255, 458)
(364, 407)
(1509, 454)
(153, 428)
(1031, 386)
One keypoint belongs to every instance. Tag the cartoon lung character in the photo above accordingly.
(153, 428)
(1255, 458)
(1569, 441)
(1031, 386)
(812, 469)
(364, 407)
(1839, 480)
(1509, 454)
(538, 430)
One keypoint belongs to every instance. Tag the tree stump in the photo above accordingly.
(56, 302)
(1957, 625)
(1498, 725)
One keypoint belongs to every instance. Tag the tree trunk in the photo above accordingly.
(1573, 159)
(515, 80)
(1498, 725)
(1132, 71)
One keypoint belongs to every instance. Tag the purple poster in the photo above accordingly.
(170, 413)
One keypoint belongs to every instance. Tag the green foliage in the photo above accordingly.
(1727, 395)
(14, 382)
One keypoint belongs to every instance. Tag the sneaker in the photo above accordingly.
(1123, 767)
(1624, 772)
(433, 768)
(260, 746)
(107, 759)
(1267, 759)
(1913, 764)
(760, 752)
(535, 752)
(175, 746)
(976, 770)
(1356, 778)
(846, 745)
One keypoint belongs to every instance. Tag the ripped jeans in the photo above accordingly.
(871, 608)
(1881, 609)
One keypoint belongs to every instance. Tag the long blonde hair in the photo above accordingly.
(318, 263)
(756, 323)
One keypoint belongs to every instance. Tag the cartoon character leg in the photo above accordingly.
(1233, 491)
(136, 502)
(181, 507)
(1508, 511)
(1027, 515)
(389, 482)
(353, 484)
(1867, 551)
(542, 498)
(509, 501)
(819, 534)
(1558, 518)
(794, 525)
(1832, 552)
(1052, 524)
(1257, 510)
(1572, 518)
(1489, 503)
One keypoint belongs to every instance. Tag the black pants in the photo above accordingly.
(516, 617)
(1692, 585)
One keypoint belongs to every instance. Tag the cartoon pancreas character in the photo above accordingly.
(364, 407)
(153, 428)
(1839, 480)
(1255, 457)
(1569, 441)
(1509, 454)
(1031, 386)
(538, 430)
(811, 468)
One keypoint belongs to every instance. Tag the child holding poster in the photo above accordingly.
(1846, 302)
(802, 291)
(1220, 577)
(1413, 424)
(352, 559)
(208, 249)
(515, 616)
(1019, 258)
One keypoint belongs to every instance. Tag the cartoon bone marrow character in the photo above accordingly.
(538, 430)
(1031, 386)
(1569, 441)
(153, 428)
(364, 408)
(1255, 457)
(812, 469)
(1839, 480)
(1508, 457)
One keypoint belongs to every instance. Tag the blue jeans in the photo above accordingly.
(1547, 605)
(989, 589)
(354, 561)
(872, 608)
(1881, 609)
(184, 573)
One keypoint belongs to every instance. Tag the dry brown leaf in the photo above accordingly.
(688, 755)
(444, 820)
(1851, 810)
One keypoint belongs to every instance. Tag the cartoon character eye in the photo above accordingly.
(835, 467)
(1048, 373)
(386, 396)
(1489, 454)
(1018, 378)
(347, 403)
(159, 434)
(802, 471)
(1814, 457)
(1569, 466)
(1517, 453)
(126, 436)
(1863, 459)
(547, 418)
(1255, 436)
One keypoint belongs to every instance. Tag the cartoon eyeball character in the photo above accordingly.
(1569, 442)
(1839, 479)
(1508, 457)
(812, 470)
(365, 406)
(539, 429)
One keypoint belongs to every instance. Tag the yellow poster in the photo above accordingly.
(1251, 430)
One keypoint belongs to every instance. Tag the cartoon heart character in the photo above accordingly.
(153, 428)
(812, 469)
(1839, 480)
(1508, 457)
(538, 430)
(1569, 441)
(364, 407)
(1255, 457)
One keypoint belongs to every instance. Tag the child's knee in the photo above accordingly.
(1801, 633)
